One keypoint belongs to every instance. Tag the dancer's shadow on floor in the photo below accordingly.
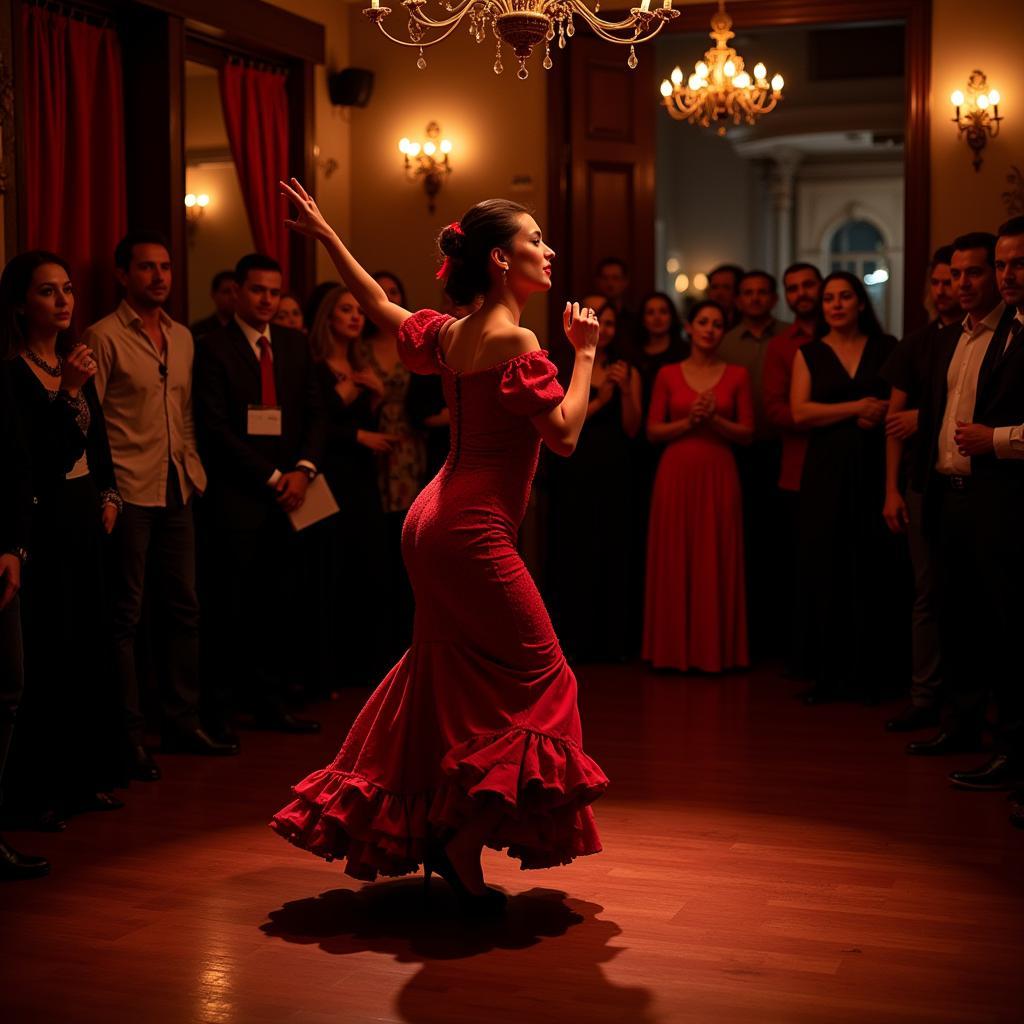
(503, 969)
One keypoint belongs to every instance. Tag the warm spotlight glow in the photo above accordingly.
(957, 98)
(190, 200)
(682, 282)
(413, 149)
(403, 145)
(446, 146)
(700, 282)
(202, 199)
(429, 148)
(672, 265)
(994, 97)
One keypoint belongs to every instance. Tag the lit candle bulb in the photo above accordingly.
(760, 71)
(677, 76)
(777, 83)
(375, 4)
(729, 69)
(701, 68)
(446, 146)
(982, 102)
(645, 5)
(694, 82)
(742, 80)
(403, 145)
(957, 98)
(994, 97)
(666, 88)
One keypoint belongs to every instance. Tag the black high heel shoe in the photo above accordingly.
(489, 903)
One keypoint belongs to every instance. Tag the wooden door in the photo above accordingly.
(602, 171)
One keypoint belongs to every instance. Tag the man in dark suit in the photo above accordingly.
(222, 291)
(973, 509)
(260, 418)
(15, 525)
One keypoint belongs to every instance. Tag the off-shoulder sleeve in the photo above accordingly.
(529, 385)
(417, 340)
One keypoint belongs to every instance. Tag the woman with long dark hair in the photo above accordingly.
(474, 737)
(695, 614)
(67, 749)
(848, 564)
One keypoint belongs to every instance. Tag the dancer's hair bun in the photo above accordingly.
(451, 241)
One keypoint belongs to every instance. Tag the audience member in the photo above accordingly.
(974, 503)
(402, 467)
(289, 313)
(316, 297)
(695, 612)
(746, 345)
(611, 280)
(588, 550)
(801, 283)
(15, 530)
(65, 754)
(351, 597)
(260, 418)
(144, 382)
(907, 371)
(222, 290)
(723, 286)
(848, 562)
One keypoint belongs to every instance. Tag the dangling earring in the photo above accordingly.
(504, 277)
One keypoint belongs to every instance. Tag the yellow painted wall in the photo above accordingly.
(991, 39)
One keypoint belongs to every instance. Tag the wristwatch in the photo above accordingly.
(20, 553)
(308, 470)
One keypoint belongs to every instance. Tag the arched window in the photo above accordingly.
(857, 246)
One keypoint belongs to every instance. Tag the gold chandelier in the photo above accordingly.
(719, 88)
(523, 24)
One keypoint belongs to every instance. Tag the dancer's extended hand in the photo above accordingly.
(581, 326)
(309, 220)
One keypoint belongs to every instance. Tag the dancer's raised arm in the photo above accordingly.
(309, 221)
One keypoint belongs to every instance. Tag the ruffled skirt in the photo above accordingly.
(431, 745)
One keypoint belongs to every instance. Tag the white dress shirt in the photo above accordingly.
(962, 389)
(1009, 441)
(253, 336)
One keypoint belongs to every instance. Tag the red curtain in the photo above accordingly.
(73, 128)
(256, 115)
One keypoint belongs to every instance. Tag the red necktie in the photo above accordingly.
(268, 391)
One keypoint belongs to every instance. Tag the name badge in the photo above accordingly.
(264, 421)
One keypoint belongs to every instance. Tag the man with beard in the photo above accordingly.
(907, 371)
(801, 284)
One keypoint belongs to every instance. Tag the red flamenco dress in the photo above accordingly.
(695, 614)
(483, 702)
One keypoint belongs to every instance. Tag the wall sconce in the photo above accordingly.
(977, 115)
(195, 206)
(427, 161)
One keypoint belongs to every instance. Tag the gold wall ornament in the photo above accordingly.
(428, 161)
(977, 114)
(720, 89)
(523, 25)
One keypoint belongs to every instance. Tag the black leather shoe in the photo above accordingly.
(912, 718)
(196, 741)
(284, 721)
(141, 766)
(943, 743)
(16, 866)
(1002, 772)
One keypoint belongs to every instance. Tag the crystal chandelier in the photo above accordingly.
(523, 24)
(719, 88)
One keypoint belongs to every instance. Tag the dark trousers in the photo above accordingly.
(926, 667)
(161, 539)
(12, 678)
(980, 566)
(758, 466)
(257, 646)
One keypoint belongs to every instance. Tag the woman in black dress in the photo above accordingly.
(592, 506)
(67, 748)
(849, 566)
(351, 608)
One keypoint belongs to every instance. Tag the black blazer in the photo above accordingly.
(226, 382)
(55, 441)
(999, 403)
(16, 470)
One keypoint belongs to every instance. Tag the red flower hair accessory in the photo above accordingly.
(455, 227)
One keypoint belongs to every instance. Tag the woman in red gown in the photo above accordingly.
(473, 739)
(695, 610)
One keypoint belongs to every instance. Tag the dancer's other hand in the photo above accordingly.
(581, 327)
(308, 220)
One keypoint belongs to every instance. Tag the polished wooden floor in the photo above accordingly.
(764, 862)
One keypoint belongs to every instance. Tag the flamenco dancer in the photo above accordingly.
(473, 739)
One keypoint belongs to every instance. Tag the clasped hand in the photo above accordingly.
(78, 368)
(703, 409)
(291, 490)
(581, 326)
(973, 439)
(872, 412)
